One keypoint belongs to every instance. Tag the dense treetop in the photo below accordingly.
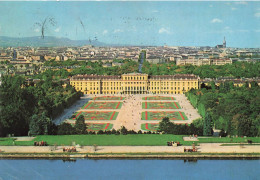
(21, 103)
(237, 69)
(235, 110)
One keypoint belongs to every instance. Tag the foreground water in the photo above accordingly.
(129, 169)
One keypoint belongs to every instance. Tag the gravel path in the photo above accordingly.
(204, 148)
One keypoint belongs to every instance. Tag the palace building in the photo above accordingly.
(135, 83)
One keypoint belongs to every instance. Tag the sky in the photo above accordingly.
(137, 23)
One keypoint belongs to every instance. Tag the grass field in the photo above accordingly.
(99, 126)
(119, 140)
(161, 105)
(228, 140)
(98, 115)
(106, 140)
(103, 105)
(108, 98)
(159, 115)
(150, 127)
(158, 98)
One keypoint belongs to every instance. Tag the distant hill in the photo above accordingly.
(48, 41)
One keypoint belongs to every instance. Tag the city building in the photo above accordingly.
(135, 83)
(224, 45)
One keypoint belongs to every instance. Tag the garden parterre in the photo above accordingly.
(158, 98)
(99, 126)
(161, 105)
(153, 127)
(159, 115)
(108, 98)
(98, 115)
(103, 105)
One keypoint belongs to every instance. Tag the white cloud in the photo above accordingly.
(233, 9)
(105, 32)
(257, 30)
(257, 14)
(216, 20)
(57, 29)
(211, 5)
(241, 2)
(155, 11)
(118, 31)
(164, 30)
(37, 30)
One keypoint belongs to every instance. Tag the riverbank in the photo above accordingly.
(71, 156)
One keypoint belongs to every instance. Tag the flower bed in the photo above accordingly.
(108, 98)
(103, 105)
(99, 126)
(159, 115)
(158, 98)
(161, 105)
(98, 115)
(150, 127)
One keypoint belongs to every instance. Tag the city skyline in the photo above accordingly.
(136, 23)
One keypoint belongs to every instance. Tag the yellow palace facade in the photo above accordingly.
(135, 83)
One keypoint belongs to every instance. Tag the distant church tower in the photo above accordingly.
(224, 43)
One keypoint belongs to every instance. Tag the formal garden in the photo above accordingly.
(99, 126)
(153, 127)
(161, 105)
(158, 98)
(159, 115)
(108, 98)
(97, 115)
(103, 105)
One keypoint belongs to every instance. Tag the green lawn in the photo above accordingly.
(228, 140)
(120, 140)
(10, 142)
(106, 140)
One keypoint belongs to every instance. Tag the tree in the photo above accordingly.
(80, 126)
(65, 129)
(41, 124)
(165, 125)
(35, 126)
(17, 104)
(207, 128)
(246, 127)
(123, 130)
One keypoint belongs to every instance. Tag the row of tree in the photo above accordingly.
(196, 127)
(89, 67)
(237, 69)
(235, 110)
(26, 107)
